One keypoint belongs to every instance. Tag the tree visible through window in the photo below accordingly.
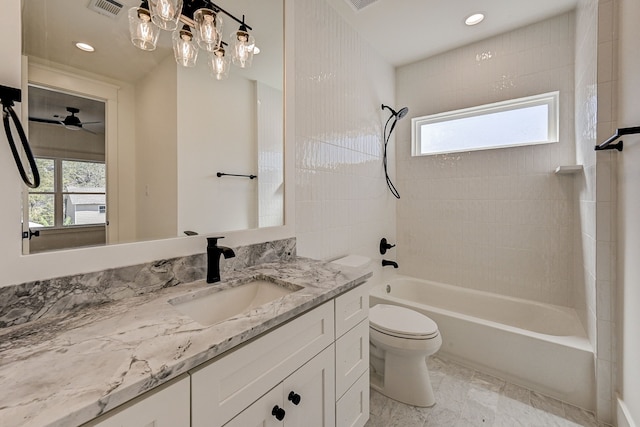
(71, 193)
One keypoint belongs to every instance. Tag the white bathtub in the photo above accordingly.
(539, 346)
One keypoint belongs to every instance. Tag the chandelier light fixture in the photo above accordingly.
(219, 63)
(201, 29)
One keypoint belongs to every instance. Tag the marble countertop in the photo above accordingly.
(67, 370)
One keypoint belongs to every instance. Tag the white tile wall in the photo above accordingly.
(342, 202)
(594, 287)
(270, 156)
(606, 198)
(496, 220)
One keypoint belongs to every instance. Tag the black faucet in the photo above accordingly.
(213, 258)
(386, 262)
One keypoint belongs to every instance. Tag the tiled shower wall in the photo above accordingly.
(585, 190)
(606, 210)
(342, 203)
(496, 220)
(270, 156)
(595, 190)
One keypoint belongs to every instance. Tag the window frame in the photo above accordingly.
(59, 194)
(551, 99)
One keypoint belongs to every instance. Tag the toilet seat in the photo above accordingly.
(402, 322)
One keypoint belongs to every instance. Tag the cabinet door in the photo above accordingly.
(351, 308)
(352, 357)
(352, 409)
(314, 383)
(259, 414)
(167, 407)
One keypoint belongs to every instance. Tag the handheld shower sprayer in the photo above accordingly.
(395, 115)
(398, 114)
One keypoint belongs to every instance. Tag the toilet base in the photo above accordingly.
(406, 379)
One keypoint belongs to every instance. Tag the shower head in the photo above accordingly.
(398, 114)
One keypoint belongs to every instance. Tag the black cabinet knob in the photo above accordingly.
(278, 412)
(294, 397)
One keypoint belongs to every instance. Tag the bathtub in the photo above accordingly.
(539, 346)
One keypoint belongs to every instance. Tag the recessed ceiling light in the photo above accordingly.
(84, 46)
(474, 19)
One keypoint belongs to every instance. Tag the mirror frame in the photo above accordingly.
(17, 268)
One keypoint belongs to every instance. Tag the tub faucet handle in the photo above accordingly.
(384, 246)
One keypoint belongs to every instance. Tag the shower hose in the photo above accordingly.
(8, 115)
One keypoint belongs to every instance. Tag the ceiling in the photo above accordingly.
(50, 29)
(404, 31)
(52, 105)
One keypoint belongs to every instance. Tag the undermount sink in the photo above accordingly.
(211, 306)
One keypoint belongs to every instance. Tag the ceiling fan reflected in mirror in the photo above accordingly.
(71, 121)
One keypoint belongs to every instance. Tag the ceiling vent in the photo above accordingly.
(109, 8)
(358, 5)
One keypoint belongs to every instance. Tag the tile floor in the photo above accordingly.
(468, 398)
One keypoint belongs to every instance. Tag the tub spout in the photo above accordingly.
(387, 262)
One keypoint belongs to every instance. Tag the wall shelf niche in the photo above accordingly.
(568, 170)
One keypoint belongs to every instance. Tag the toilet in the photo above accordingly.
(400, 339)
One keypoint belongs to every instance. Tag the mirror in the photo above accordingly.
(167, 130)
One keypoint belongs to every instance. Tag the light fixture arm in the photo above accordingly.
(190, 6)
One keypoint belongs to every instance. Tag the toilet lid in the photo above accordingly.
(401, 322)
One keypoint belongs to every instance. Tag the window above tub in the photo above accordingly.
(523, 121)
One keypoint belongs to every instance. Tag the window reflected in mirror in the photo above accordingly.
(69, 208)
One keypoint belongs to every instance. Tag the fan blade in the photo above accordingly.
(39, 120)
(88, 130)
(89, 123)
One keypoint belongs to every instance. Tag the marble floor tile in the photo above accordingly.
(468, 398)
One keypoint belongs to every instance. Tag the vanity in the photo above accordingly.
(301, 359)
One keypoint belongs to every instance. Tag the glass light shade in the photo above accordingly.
(243, 44)
(219, 64)
(208, 28)
(185, 48)
(144, 35)
(165, 13)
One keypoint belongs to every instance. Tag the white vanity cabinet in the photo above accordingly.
(321, 356)
(166, 406)
(226, 386)
(352, 357)
(305, 398)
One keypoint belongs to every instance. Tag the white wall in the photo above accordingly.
(628, 247)
(497, 220)
(270, 156)
(606, 209)
(342, 202)
(125, 159)
(217, 133)
(156, 153)
(595, 202)
(584, 296)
